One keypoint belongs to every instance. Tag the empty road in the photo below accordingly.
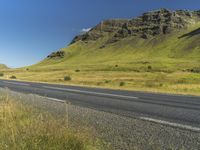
(172, 110)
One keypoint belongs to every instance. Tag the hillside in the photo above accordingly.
(2, 66)
(159, 38)
(157, 51)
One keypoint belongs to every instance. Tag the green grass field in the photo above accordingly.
(166, 63)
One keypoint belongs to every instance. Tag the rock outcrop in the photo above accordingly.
(150, 24)
(58, 54)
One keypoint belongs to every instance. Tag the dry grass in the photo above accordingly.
(175, 82)
(22, 127)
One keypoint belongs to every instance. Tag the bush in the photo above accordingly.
(1, 74)
(161, 84)
(149, 67)
(77, 70)
(194, 70)
(107, 81)
(13, 77)
(67, 78)
(121, 83)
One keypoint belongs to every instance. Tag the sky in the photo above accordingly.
(32, 29)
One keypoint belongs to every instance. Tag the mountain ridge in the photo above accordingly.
(159, 37)
(152, 23)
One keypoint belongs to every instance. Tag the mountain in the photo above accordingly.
(146, 26)
(2, 66)
(167, 40)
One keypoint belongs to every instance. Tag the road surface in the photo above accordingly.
(172, 110)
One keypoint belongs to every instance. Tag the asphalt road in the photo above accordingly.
(171, 110)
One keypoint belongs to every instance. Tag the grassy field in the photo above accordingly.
(176, 82)
(22, 127)
(166, 63)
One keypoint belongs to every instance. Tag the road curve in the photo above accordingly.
(172, 110)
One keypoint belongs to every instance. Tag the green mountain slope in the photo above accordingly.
(164, 39)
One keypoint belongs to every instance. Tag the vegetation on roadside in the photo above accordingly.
(77, 70)
(122, 83)
(67, 78)
(1, 74)
(22, 127)
(13, 77)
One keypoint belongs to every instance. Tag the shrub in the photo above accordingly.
(103, 46)
(1, 74)
(13, 77)
(67, 78)
(161, 84)
(121, 83)
(107, 81)
(149, 67)
(194, 70)
(116, 65)
(77, 70)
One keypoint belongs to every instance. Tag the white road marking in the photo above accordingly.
(88, 92)
(188, 127)
(16, 83)
(53, 99)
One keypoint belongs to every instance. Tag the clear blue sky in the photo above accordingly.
(32, 29)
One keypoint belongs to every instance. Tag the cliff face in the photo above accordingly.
(150, 24)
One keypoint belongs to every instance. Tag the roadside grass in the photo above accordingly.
(176, 82)
(22, 127)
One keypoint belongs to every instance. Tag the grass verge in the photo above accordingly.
(186, 83)
(22, 127)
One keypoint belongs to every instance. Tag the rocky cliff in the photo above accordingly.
(150, 24)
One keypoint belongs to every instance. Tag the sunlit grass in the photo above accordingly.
(22, 127)
(175, 82)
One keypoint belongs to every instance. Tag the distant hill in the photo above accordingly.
(2, 66)
(168, 40)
